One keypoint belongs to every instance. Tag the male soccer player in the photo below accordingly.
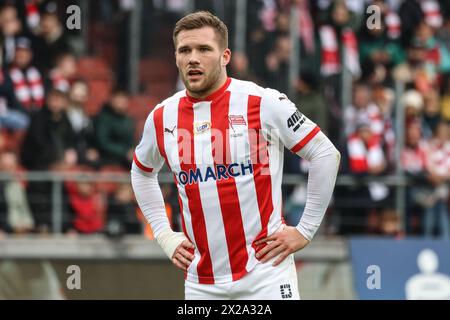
(219, 138)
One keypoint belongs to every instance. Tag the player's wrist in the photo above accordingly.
(304, 232)
(170, 240)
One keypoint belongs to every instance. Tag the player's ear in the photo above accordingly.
(226, 57)
(176, 60)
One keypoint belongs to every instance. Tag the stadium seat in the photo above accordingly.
(100, 79)
(157, 76)
(91, 68)
(100, 93)
(103, 42)
(140, 107)
(161, 90)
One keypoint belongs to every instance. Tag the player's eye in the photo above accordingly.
(204, 49)
(183, 50)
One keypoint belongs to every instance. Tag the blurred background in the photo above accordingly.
(79, 78)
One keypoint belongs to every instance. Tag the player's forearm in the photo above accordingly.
(150, 200)
(149, 197)
(324, 164)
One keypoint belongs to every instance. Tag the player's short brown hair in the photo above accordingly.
(199, 20)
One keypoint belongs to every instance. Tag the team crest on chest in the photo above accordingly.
(201, 127)
(234, 121)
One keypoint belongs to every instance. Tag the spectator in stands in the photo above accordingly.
(61, 76)
(14, 208)
(364, 149)
(413, 12)
(335, 34)
(282, 21)
(86, 205)
(339, 45)
(426, 35)
(30, 14)
(363, 109)
(12, 115)
(413, 157)
(52, 41)
(48, 145)
(413, 104)
(366, 158)
(383, 97)
(122, 218)
(414, 66)
(27, 80)
(413, 161)
(432, 58)
(339, 14)
(309, 98)
(82, 125)
(10, 27)
(410, 13)
(309, 46)
(438, 168)
(389, 223)
(277, 64)
(258, 46)
(431, 115)
(378, 48)
(240, 68)
(114, 131)
(50, 140)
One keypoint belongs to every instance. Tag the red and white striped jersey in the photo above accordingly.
(363, 156)
(28, 87)
(438, 157)
(227, 164)
(413, 158)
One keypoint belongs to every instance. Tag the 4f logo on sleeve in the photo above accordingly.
(296, 120)
(285, 290)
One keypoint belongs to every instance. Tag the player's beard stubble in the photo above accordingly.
(208, 81)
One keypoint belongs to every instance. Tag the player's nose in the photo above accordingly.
(194, 58)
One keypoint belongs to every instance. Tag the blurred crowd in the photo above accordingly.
(64, 107)
(44, 126)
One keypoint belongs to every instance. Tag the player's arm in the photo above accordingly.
(303, 137)
(149, 197)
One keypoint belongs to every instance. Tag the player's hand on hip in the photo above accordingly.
(182, 256)
(282, 244)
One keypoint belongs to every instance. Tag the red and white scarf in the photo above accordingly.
(267, 15)
(393, 25)
(363, 156)
(58, 81)
(331, 60)
(432, 12)
(28, 87)
(413, 159)
(306, 25)
(32, 14)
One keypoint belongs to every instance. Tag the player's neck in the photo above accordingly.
(211, 92)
